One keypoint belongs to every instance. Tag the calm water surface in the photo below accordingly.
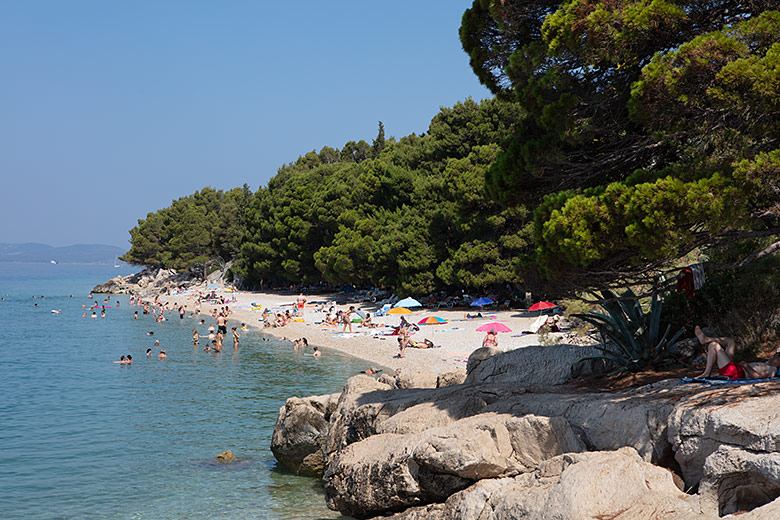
(83, 437)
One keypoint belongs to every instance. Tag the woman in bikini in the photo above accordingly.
(490, 339)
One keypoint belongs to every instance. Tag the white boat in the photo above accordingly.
(53, 262)
(116, 263)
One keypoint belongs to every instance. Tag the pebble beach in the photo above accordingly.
(457, 338)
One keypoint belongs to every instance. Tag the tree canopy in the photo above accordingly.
(194, 231)
(650, 128)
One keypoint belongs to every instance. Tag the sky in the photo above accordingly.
(111, 110)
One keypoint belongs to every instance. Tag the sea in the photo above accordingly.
(83, 437)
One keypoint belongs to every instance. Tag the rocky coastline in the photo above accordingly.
(506, 442)
(512, 437)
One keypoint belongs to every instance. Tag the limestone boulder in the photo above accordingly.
(300, 432)
(531, 366)
(355, 414)
(478, 356)
(582, 486)
(416, 379)
(226, 457)
(388, 472)
(737, 480)
(452, 378)
(388, 380)
(746, 417)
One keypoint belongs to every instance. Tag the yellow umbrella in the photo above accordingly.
(399, 310)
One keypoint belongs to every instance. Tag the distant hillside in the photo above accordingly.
(76, 254)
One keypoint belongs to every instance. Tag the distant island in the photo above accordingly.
(75, 254)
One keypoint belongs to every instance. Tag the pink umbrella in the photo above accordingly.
(496, 326)
(541, 306)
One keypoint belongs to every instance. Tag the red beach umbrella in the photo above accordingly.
(539, 306)
(494, 325)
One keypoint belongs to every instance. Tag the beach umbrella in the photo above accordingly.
(479, 302)
(431, 320)
(498, 327)
(408, 302)
(399, 310)
(540, 306)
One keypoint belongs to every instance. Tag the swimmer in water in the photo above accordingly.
(316, 352)
(129, 358)
(94, 314)
(148, 352)
(121, 361)
(162, 355)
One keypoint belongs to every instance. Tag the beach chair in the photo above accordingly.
(383, 311)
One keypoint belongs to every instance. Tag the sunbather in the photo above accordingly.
(720, 350)
(426, 343)
(763, 369)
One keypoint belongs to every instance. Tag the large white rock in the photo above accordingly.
(739, 480)
(300, 431)
(388, 472)
(746, 417)
(587, 486)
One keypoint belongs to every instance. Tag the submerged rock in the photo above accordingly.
(226, 457)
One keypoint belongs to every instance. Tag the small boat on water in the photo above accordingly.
(116, 263)
(53, 262)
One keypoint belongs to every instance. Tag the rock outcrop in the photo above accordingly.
(495, 448)
(745, 417)
(300, 431)
(392, 471)
(148, 282)
(583, 486)
(534, 365)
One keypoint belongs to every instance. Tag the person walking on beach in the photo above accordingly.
(236, 337)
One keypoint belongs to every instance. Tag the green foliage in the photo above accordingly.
(412, 215)
(631, 338)
(196, 230)
(651, 127)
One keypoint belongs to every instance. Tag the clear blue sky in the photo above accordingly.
(110, 110)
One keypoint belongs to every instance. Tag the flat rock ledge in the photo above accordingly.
(503, 446)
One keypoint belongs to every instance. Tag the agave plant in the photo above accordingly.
(631, 337)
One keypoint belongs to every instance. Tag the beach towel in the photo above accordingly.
(716, 382)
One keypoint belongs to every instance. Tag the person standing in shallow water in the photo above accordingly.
(236, 337)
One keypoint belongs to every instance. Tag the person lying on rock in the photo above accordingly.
(722, 349)
(763, 369)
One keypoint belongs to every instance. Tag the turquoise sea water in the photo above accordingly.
(84, 438)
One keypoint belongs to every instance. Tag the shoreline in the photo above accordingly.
(457, 337)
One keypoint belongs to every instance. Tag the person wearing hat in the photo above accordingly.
(162, 355)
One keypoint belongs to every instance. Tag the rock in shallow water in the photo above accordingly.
(226, 457)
